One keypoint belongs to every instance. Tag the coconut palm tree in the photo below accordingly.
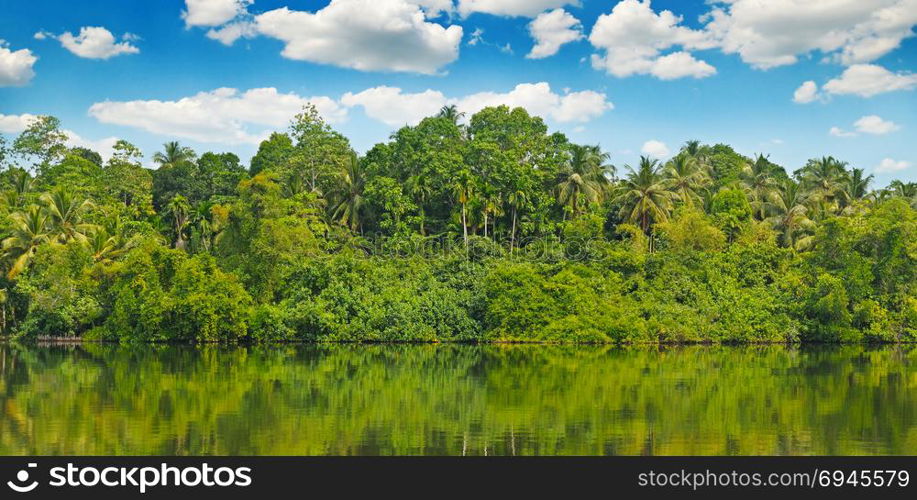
(349, 194)
(644, 195)
(789, 204)
(420, 189)
(179, 211)
(451, 113)
(901, 189)
(684, 176)
(463, 190)
(173, 154)
(517, 200)
(65, 216)
(584, 179)
(22, 184)
(823, 177)
(107, 246)
(855, 187)
(694, 149)
(29, 231)
(759, 182)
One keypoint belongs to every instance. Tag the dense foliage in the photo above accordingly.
(485, 229)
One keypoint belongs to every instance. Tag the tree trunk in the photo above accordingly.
(464, 226)
(485, 223)
(512, 234)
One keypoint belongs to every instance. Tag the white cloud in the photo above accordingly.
(15, 66)
(680, 65)
(14, 124)
(393, 107)
(551, 30)
(867, 80)
(632, 37)
(367, 35)
(540, 100)
(229, 33)
(223, 115)
(655, 149)
(873, 124)
(806, 93)
(838, 132)
(773, 33)
(96, 42)
(434, 8)
(524, 8)
(890, 165)
(213, 12)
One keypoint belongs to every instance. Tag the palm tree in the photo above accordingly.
(684, 176)
(855, 187)
(22, 184)
(694, 149)
(180, 211)
(823, 177)
(463, 189)
(29, 231)
(644, 195)
(492, 205)
(789, 204)
(901, 189)
(107, 246)
(584, 177)
(419, 188)
(758, 180)
(451, 112)
(349, 194)
(173, 154)
(65, 215)
(517, 199)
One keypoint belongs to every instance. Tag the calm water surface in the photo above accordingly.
(457, 399)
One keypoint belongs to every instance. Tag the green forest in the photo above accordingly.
(462, 228)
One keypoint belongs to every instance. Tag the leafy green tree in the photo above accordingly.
(42, 143)
(274, 153)
(731, 211)
(319, 153)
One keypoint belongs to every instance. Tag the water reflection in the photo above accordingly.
(457, 399)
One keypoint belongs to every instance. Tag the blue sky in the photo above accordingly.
(632, 76)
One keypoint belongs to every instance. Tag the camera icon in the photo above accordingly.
(19, 485)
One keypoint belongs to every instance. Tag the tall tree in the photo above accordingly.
(584, 178)
(348, 195)
(29, 231)
(789, 206)
(644, 196)
(173, 154)
(66, 216)
(759, 181)
(684, 176)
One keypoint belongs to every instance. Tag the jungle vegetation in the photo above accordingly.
(480, 228)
